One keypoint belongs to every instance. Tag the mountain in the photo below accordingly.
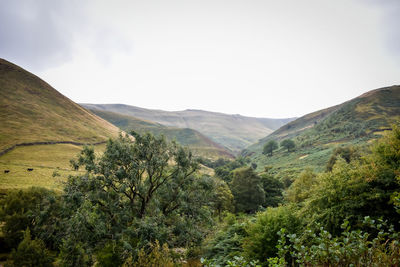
(198, 143)
(32, 111)
(232, 131)
(316, 134)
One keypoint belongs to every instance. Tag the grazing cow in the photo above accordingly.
(30, 169)
(6, 171)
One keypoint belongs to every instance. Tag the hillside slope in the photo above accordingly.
(232, 131)
(32, 111)
(200, 144)
(316, 134)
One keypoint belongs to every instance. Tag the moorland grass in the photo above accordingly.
(50, 164)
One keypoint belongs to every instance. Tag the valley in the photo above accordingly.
(92, 183)
(234, 132)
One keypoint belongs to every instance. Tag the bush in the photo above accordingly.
(262, 235)
(19, 210)
(351, 248)
(31, 253)
(226, 244)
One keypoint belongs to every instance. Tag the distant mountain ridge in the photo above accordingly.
(198, 143)
(33, 111)
(232, 131)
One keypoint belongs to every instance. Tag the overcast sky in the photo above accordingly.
(266, 58)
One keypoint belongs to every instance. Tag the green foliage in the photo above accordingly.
(19, 210)
(301, 188)
(137, 192)
(351, 248)
(340, 194)
(224, 170)
(157, 256)
(109, 255)
(247, 190)
(260, 242)
(31, 253)
(348, 153)
(74, 254)
(270, 147)
(226, 243)
(273, 190)
(289, 144)
(237, 261)
(223, 200)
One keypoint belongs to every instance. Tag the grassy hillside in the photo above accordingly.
(50, 164)
(200, 144)
(232, 131)
(316, 135)
(32, 111)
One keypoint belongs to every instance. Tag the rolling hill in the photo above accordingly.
(32, 111)
(198, 143)
(234, 132)
(316, 134)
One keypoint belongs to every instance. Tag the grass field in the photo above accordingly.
(50, 165)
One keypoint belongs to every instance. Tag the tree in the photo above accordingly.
(31, 253)
(348, 153)
(262, 233)
(288, 144)
(270, 147)
(136, 171)
(273, 190)
(223, 197)
(19, 210)
(136, 192)
(301, 188)
(247, 190)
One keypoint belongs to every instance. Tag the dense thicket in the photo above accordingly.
(347, 215)
(144, 203)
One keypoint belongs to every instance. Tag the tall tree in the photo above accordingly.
(289, 144)
(270, 147)
(247, 190)
(136, 192)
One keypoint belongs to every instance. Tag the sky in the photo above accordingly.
(260, 58)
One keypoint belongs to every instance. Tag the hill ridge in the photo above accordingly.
(33, 111)
(234, 132)
(317, 134)
(199, 143)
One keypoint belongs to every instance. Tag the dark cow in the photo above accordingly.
(29, 169)
(6, 171)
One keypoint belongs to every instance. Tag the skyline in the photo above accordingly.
(270, 59)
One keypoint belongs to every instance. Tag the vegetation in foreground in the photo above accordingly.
(143, 203)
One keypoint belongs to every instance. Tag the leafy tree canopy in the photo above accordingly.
(289, 144)
(247, 190)
(270, 147)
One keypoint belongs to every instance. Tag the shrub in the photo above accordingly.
(31, 253)
(262, 235)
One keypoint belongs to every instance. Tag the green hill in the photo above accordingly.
(316, 134)
(200, 144)
(234, 132)
(32, 111)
